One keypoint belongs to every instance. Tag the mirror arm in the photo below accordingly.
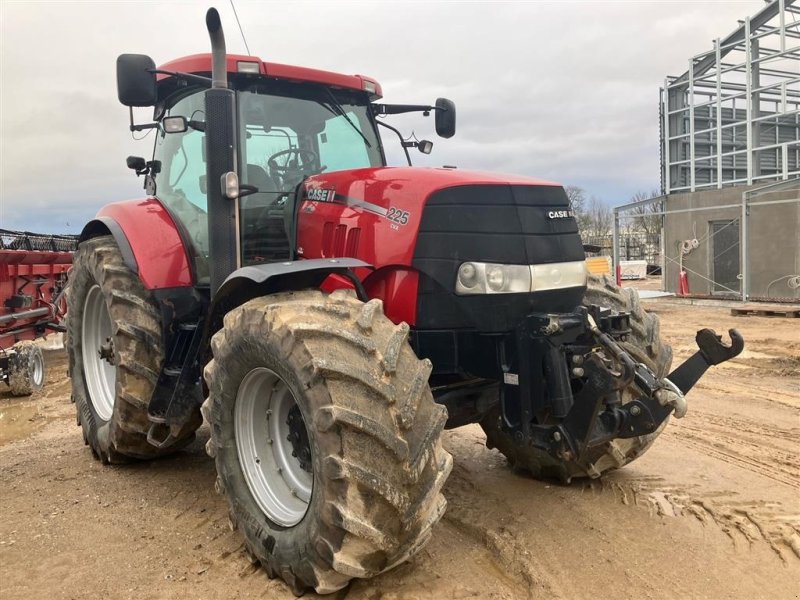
(187, 76)
(400, 136)
(142, 127)
(396, 109)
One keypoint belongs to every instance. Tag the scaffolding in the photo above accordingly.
(734, 116)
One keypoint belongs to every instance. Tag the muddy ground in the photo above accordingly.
(712, 511)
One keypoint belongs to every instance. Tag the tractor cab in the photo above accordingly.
(285, 131)
(288, 123)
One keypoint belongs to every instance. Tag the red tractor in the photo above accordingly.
(331, 315)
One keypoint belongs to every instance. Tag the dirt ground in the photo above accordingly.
(712, 511)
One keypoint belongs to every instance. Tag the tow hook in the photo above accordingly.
(712, 351)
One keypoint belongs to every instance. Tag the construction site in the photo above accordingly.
(291, 369)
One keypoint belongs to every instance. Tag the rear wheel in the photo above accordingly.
(645, 345)
(325, 437)
(116, 352)
(26, 369)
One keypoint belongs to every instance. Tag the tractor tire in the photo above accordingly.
(645, 345)
(337, 380)
(26, 370)
(111, 311)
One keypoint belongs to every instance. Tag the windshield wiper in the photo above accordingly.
(339, 110)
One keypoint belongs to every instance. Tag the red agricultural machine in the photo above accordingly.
(331, 315)
(33, 281)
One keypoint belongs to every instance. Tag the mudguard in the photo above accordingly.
(148, 239)
(251, 282)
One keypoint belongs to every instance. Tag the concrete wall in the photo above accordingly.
(773, 240)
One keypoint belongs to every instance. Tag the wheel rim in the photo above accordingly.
(277, 480)
(100, 373)
(37, 371)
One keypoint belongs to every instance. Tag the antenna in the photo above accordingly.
(240, 29)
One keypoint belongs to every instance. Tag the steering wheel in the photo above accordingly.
(298, 163)
(305, 157)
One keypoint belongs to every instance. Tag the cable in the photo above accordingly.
(240, 29)
(793, 283)
(701, 276)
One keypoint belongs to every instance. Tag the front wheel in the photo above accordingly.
(644, 345)
(325, 436)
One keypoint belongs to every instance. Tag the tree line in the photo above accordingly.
(596, 219)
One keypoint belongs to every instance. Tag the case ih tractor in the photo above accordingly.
(330, 315)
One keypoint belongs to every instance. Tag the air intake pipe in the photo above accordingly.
(219, 71)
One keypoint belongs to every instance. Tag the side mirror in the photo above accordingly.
(136, 85)
(445, 118)
(137, 163)
(425, 146)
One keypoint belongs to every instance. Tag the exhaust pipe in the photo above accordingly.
(219, 72)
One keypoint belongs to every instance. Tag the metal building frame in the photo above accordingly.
(734, 116)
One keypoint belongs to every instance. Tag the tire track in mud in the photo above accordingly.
(767, 450)
(716, 447)
(754, 522)
(511, 560)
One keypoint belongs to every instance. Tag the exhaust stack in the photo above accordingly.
(219, 74)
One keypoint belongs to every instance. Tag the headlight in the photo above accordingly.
(468, 275)
(490, 278)
(556, 276)
(495, 277)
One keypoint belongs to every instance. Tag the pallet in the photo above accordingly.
(789, 313)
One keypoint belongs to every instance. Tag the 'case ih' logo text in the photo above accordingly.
(320, 195)
(560, 214)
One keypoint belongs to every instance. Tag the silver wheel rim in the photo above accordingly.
(280, 486)
(100, 375)
(37, 373)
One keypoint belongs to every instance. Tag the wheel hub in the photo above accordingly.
(97, 350)
(106, 351)
(273, 447)
(298, 437)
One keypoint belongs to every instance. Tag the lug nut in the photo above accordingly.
(557, 436)
(636, 411)
(577, 359)
(578, 372)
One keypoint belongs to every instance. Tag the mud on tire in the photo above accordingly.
(135, 325)
(374, 433)
(26, 370)
(645, 345)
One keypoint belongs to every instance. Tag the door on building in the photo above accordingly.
(725, 259)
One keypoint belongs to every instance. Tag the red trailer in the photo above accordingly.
(33, 283)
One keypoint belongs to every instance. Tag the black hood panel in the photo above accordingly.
(509, 224)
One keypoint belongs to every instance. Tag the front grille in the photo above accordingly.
(508, 224)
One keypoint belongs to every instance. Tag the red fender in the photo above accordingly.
(148, 239)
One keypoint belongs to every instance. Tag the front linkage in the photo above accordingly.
(566, 375)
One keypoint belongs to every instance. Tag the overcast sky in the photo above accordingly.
(566, 91)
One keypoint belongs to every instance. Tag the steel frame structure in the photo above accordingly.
(734, 116)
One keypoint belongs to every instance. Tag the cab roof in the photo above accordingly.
(239, 63)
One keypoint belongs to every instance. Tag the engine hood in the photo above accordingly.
(386, 204)
(417, 182)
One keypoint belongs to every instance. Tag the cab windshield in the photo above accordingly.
(288, 131)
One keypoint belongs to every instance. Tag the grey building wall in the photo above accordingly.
(773, 241)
